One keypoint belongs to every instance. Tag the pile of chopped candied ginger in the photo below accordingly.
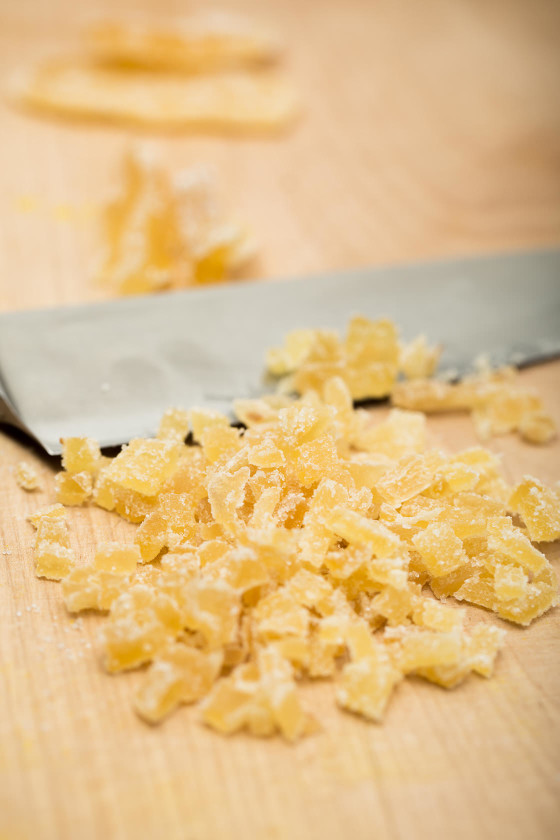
(317, 542)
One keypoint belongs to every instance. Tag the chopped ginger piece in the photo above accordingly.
(73, 488)
(539, 507)
(80, 454)
(26, 476)
(178, 674)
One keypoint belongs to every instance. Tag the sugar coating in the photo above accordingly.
(316, 543)
(26, 476)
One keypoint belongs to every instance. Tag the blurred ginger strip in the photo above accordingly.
(168, 231)
(232, 102)
(199, 42)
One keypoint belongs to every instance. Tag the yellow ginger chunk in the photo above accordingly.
(417, 360)
(497, 404)
(213, 609)
(415, 647)
(127, 503)
(116, 557)
(411, 476)
(166, 526)
(395, 605)
(539, 596)
(441, 550)
(197, 42)
(367, 682)
(402, 433)
(479, 650)
(229, 101)
(144, 465)
(174, 425)
(26, 476)
(80, 454)
(55, 511)
(504, 537)
(178, 674)
(141, 622)
(435, 616)
(537, 427)
(73, 488)
(539, 507)
(261, 697)
(355, 528)
(53, 556)
(90, 588)
(510, 582)
(53, 560)
(239, 568)
(279, 614)
(482, 646)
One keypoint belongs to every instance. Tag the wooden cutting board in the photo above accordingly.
(430, 128)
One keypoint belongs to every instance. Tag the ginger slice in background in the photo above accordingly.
(201, 41)
(228, 102)
(168, 231)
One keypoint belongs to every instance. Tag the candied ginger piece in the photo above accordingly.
(402, 433)
(355, 528)
(297, 347)
(279, 614)
(482, 646)
(417, 360)
(410, 476)
(80, 454)
(537, 427)
(240, 568)
(26, 476)
(415, 647)
(259, 696)
(55, 511)
(144, 465)
(227, 101)
(141, 622)
(395, 605)
(174, 425)
(116, 557)
(73, 488)
(178, 674)
(510, 582)
(53, 561)
(198, 42)
(367, 682)
(88, 588)
(539, 507)
(510, 541)
(441, 550)
(213, 609)
(479, 650)
(52, 529)
(435, 616)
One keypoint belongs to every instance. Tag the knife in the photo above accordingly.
(109, 370)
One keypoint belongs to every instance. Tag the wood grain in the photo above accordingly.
(430, 128)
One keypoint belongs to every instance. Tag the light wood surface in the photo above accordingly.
(430, 128)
